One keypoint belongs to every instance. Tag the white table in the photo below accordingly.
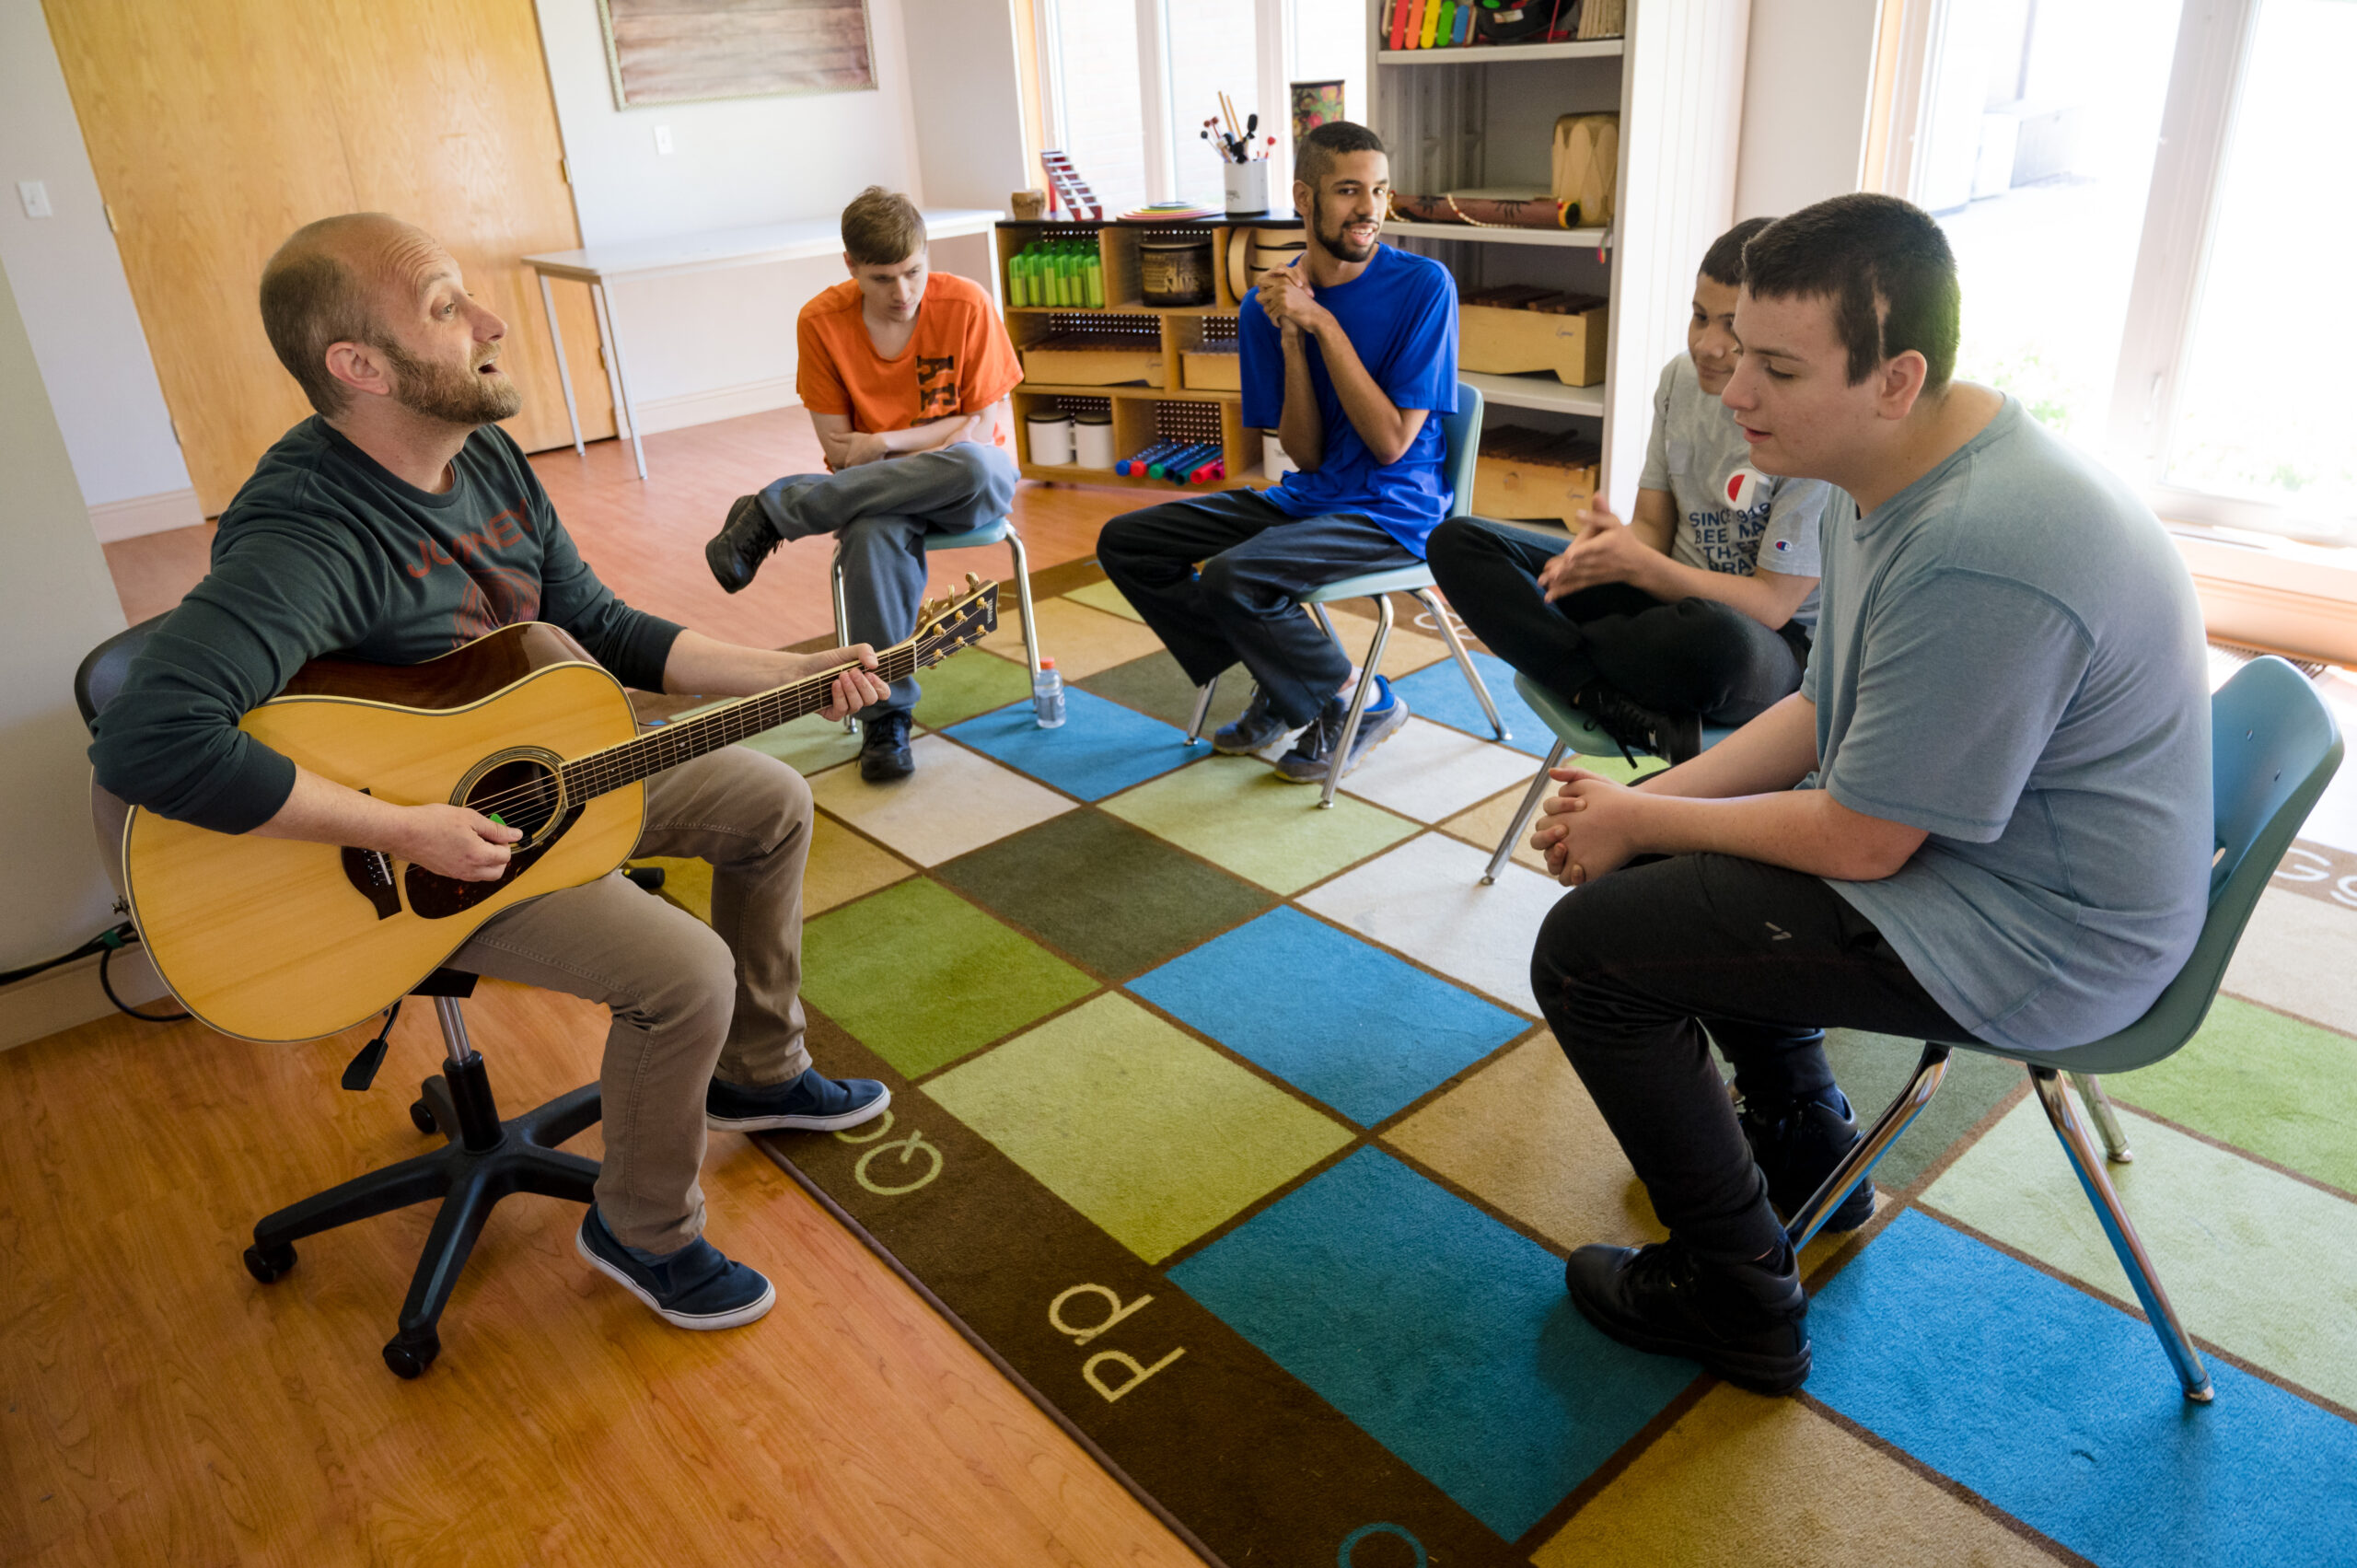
(674, 255)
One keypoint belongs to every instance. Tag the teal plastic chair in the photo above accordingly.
(2273, 749)
(1574, 732)
(1461, 441)
(1000, 532)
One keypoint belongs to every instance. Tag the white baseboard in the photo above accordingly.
(69, 994)
(113, 520)
(657, 414)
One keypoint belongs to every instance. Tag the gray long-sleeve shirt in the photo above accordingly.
(323, 550)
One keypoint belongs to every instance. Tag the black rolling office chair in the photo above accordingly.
(485, 1159)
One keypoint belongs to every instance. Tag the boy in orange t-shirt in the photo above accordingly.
(906, 374)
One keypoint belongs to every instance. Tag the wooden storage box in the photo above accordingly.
(1510, 331)
(1532, 475)
(1058, 365)
(1211, 370)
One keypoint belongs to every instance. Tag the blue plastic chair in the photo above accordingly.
(2273, 749)
(1000, 532)
(1461, 440)
(1574, 732)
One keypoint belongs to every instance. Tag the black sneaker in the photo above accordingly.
(696, 1287)
(1674, 737)
(884, 753)
(1747, 1322)
(736, 551)
(1307, 762)
(1797, 1147)
(1255, 727)
(811, 1103)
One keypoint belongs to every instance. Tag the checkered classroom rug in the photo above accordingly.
(1229, 1128)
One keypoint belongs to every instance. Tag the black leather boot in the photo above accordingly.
(736, 551)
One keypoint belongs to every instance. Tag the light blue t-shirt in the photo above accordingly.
(1400, 316)
(2010, 656)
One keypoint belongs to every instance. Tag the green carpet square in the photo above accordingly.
(1873, 1068)
(1156, 685)
(1117, 899)
(1151, 1133)
(968, 683)
(1103, 596)
(2284, 1088)
(808, 745)
(1235, 812)
(921, 977)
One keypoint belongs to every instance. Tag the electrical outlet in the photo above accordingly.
(663, 140)
(35, 196)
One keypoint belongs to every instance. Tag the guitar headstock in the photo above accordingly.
(946, 625)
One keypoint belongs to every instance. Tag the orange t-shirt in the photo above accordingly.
(957, 361)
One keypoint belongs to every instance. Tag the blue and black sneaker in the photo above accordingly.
(1256, 726)
(695, 1287)
(811, 1103)
(1313, 753)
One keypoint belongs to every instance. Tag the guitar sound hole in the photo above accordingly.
(522, 793)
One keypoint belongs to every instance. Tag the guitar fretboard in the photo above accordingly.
(684, 741)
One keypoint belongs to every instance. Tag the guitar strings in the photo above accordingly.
(610, 768)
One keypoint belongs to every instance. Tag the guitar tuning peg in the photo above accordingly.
(973, 583)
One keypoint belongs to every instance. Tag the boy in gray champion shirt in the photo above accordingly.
(1700, 607)
(1985, 815)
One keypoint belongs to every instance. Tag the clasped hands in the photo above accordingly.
(1588, 828)
(1289, 302)
(1606, 550)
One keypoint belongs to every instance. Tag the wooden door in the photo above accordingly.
(218, 127)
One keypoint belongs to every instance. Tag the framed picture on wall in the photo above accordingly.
(688, 51)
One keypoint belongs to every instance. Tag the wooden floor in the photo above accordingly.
(161, 1407)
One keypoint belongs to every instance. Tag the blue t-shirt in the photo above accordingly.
(1401, 315)
(2010, 656)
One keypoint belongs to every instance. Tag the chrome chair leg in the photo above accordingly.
(1359, 694)
(2125, 1242)
(843, 621)
(1867, 1151)
(1523, 814)
(1327, 623)
(1202, 709)
(2107, 1121)
(1465, 662)
(1023, 598)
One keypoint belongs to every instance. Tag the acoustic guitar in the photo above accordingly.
(277, 939)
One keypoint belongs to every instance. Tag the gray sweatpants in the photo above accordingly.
(690, 1002)
(879, 514)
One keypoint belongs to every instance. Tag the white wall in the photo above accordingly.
(56, 603)
(75, 303)
(965, 101)
(1807, 79)
(721, 342)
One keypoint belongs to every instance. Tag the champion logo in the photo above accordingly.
(1784, 544)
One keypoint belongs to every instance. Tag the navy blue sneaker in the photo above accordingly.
(812, 1103)
(1256, 726)
(696, 1287)
(1314, 752)
(1797, 1147)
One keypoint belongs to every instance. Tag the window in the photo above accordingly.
(1128, 84)
(2142, 197)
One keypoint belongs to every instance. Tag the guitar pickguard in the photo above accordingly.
(433, 896)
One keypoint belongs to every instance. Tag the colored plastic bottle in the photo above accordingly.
(1047, 696)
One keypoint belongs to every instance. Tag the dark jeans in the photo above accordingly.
(1696, 656)
(1245, 603)
(1632, 969)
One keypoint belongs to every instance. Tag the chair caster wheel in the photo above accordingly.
(266, 1264)
(421, 1116)
(412, 1351)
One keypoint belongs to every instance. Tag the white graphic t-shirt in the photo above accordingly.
(1731, 518)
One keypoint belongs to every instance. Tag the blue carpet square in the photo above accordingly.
(1442, 1332)
(1333, 1016)
(1438, 692)
(1101, 748)
(2062, 1410)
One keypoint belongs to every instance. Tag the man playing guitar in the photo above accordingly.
(396, 524)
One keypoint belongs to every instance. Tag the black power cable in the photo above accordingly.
(106, 944)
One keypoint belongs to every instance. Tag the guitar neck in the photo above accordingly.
(684, 741)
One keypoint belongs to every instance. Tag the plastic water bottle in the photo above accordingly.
(1048, 695)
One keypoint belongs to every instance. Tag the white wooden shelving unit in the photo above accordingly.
(1463, 120)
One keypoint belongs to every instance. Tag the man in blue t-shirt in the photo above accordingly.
(1349, 354)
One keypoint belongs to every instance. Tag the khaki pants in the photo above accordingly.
(690, 1001)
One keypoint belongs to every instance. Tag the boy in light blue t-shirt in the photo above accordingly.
(1985, 815)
